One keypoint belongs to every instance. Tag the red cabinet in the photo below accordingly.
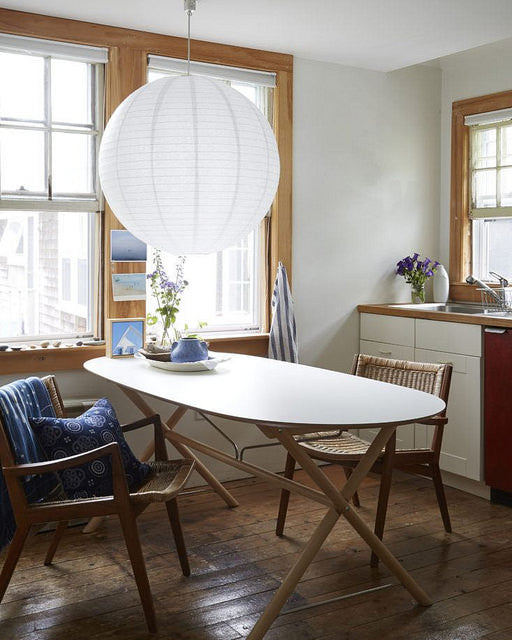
(498, 408)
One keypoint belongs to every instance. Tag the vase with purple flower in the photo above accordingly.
(168, 294)
(416, 273)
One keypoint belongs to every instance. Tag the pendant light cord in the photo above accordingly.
(189, 15)
(190, 6)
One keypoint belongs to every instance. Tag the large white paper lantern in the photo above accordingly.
(188, 164)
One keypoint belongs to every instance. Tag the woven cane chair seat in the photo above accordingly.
(167, 478)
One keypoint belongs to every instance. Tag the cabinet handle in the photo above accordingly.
(385, 353)
(446, 362)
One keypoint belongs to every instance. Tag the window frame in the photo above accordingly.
(125, 72)
(460, 265)
(69, 203)
(167, 67)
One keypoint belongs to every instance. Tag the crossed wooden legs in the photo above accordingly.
(328, 494)
(332, 497)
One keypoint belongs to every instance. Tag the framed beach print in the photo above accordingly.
(128, 286)
(125, 336)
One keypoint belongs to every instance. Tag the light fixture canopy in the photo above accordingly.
(188, 164)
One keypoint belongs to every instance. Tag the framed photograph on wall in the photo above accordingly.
(125, 336)
(128, 286)
(125, 247)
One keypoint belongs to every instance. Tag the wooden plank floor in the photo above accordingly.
(237, 562)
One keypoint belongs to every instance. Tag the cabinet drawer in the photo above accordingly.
(389, 329)
(451, 337)
(385, 350)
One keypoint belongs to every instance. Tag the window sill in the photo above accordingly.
(51, 359)
(32, 361)
(464, 292)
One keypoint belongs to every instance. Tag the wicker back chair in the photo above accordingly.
(347, 449)
(163, 485)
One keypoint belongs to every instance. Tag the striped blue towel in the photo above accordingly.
(283, 332)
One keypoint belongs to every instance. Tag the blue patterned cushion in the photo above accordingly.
(62, 437)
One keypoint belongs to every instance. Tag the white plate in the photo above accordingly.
(200, 365)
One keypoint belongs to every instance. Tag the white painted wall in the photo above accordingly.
(469, 74)
(366, 183)
(366, 148)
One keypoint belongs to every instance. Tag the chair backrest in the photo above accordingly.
(431, 378)
(18, 445)
(7, 457)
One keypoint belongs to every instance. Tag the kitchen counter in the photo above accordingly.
(441, 316)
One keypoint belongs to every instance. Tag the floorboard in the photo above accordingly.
(237, 562)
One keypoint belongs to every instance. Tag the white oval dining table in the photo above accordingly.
(282, 399)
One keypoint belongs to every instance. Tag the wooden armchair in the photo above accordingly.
(165, 481)
(347, 450)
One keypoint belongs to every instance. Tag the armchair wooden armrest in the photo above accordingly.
(64, 463)
(160, 447)
(437, 421)
(143, 422)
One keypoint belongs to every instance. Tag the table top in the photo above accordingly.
(271, 392)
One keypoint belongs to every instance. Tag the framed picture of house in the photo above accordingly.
(124, 336)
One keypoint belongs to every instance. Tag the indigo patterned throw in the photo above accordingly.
(20, 401)
(62, 437)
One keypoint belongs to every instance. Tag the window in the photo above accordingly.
(125, 72)
(225, 288)
(50, 123)
(481, 191)
(491, 192)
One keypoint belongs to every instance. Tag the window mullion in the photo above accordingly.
(498, 166)
(48, 123)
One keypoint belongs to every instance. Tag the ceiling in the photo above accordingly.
(374, 34)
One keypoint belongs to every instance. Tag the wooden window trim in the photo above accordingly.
(126, 72)
(460, 197)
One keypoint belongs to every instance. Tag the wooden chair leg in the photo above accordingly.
(382, 505)
(174, 519)
(441, 498)
(131, 536)
(355, 497)
(285, 495)
(57, 536)
(12, 558)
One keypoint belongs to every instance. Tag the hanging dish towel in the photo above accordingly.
(283, 332)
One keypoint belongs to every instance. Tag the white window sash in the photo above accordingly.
(489, 117)
(234, 74)
(67, 50)
(61, 204)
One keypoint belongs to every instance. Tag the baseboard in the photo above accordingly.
(474, 487)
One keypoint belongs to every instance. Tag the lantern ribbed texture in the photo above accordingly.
(188, 164)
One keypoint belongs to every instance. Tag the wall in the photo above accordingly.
(366, 185)
(469, 74)
(366, 147)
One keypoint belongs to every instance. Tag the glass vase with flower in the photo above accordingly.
(167, 294)
(416, 273)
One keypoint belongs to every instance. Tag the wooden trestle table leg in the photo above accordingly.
(203, 471)
(342, 507)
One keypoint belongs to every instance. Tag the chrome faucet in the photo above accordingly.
(498, 296)
(502, 279)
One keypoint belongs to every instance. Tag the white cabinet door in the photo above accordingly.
(452, 337)
(404, 434)
(462, 439)
(390, 329)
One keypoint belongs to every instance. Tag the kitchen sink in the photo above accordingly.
(455, 307)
